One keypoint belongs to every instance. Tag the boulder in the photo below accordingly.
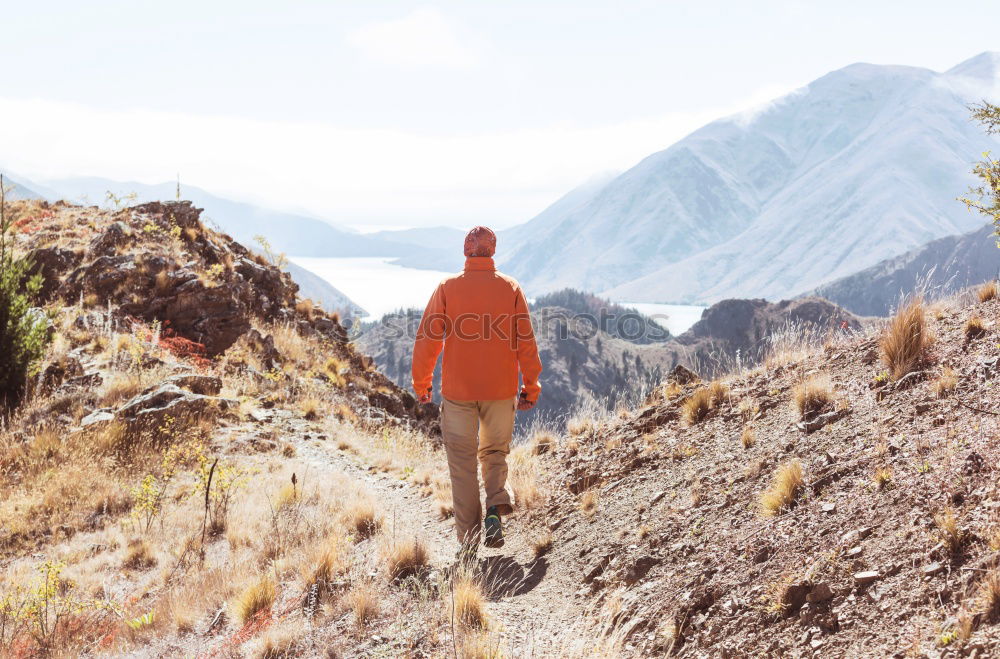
(682, 375)
(114, 237)
(206, 385)
(52, 263)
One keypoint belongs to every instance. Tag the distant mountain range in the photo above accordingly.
(861, 165)
(940, 267)
(297, 235)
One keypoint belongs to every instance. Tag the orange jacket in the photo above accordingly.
(481, 319)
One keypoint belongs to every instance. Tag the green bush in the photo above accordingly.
(23, 332)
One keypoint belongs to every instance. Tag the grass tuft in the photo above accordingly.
(405, 559)
(470, 606)
(988, 291)
(946, 382)
(974, 328)
(257, 598)
(812, 396)
(785, 487)
(903, 342)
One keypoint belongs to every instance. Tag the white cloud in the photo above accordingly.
(423, 39)
(352, 176)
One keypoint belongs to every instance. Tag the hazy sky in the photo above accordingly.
(419, 113)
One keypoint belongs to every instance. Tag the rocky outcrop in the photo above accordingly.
(165, 401)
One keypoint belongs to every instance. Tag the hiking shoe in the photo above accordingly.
(493, 535)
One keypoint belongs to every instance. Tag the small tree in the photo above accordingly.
(23, 332)
(985, 197)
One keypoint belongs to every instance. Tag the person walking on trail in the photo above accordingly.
(480, 318)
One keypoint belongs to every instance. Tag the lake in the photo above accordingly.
(382, 287)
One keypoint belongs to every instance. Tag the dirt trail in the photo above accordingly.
(531, 606)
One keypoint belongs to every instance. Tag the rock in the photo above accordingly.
(103, 415)
(853, 552)
(829, 507)
(820, 592)
(58, 372)
(639, 569)
(115, 236)
(597, 568)
(932, 569)
(51, 263)
(206, 385)
(683, 375)
(762, 554)
(169, 400)
(820, 421)
(865, 578)
(855, 535)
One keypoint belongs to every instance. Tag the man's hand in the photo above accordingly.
(424, 398)
(523, 404)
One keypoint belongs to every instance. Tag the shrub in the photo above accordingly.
(903, 343)
(785, 487)
(23, 331)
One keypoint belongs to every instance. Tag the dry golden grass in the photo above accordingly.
(362, 519)
(363, 602)
(882, 477)
(542, 442)
(139, 555)
(950, 532)
(579, 425)
(523, 478)
(988, 291)
(812, 396)
(121, 388)
(288, 450)
(470, 605)
(311, 409)
(946, 383)
(323, 563)
(785, 486)
(479, 646)
(988, 595)
(255, 599)
(588, 502)
(974, 328)
(405, 559)
(542, 543)
(905, 339)
(748, 437)
(305, 308)
(697, 406)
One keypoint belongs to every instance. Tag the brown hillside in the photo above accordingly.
(699, 538)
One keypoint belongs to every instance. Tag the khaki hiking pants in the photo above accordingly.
(477, 431)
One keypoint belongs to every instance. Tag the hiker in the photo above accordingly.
(480, 318)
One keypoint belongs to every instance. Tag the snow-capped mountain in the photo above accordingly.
(861, 165)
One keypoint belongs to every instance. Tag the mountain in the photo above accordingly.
(597, 363)
(294, 234)
(320, 291)
(443, 246)
(860, 165)
(940, 267)
(14, 190)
